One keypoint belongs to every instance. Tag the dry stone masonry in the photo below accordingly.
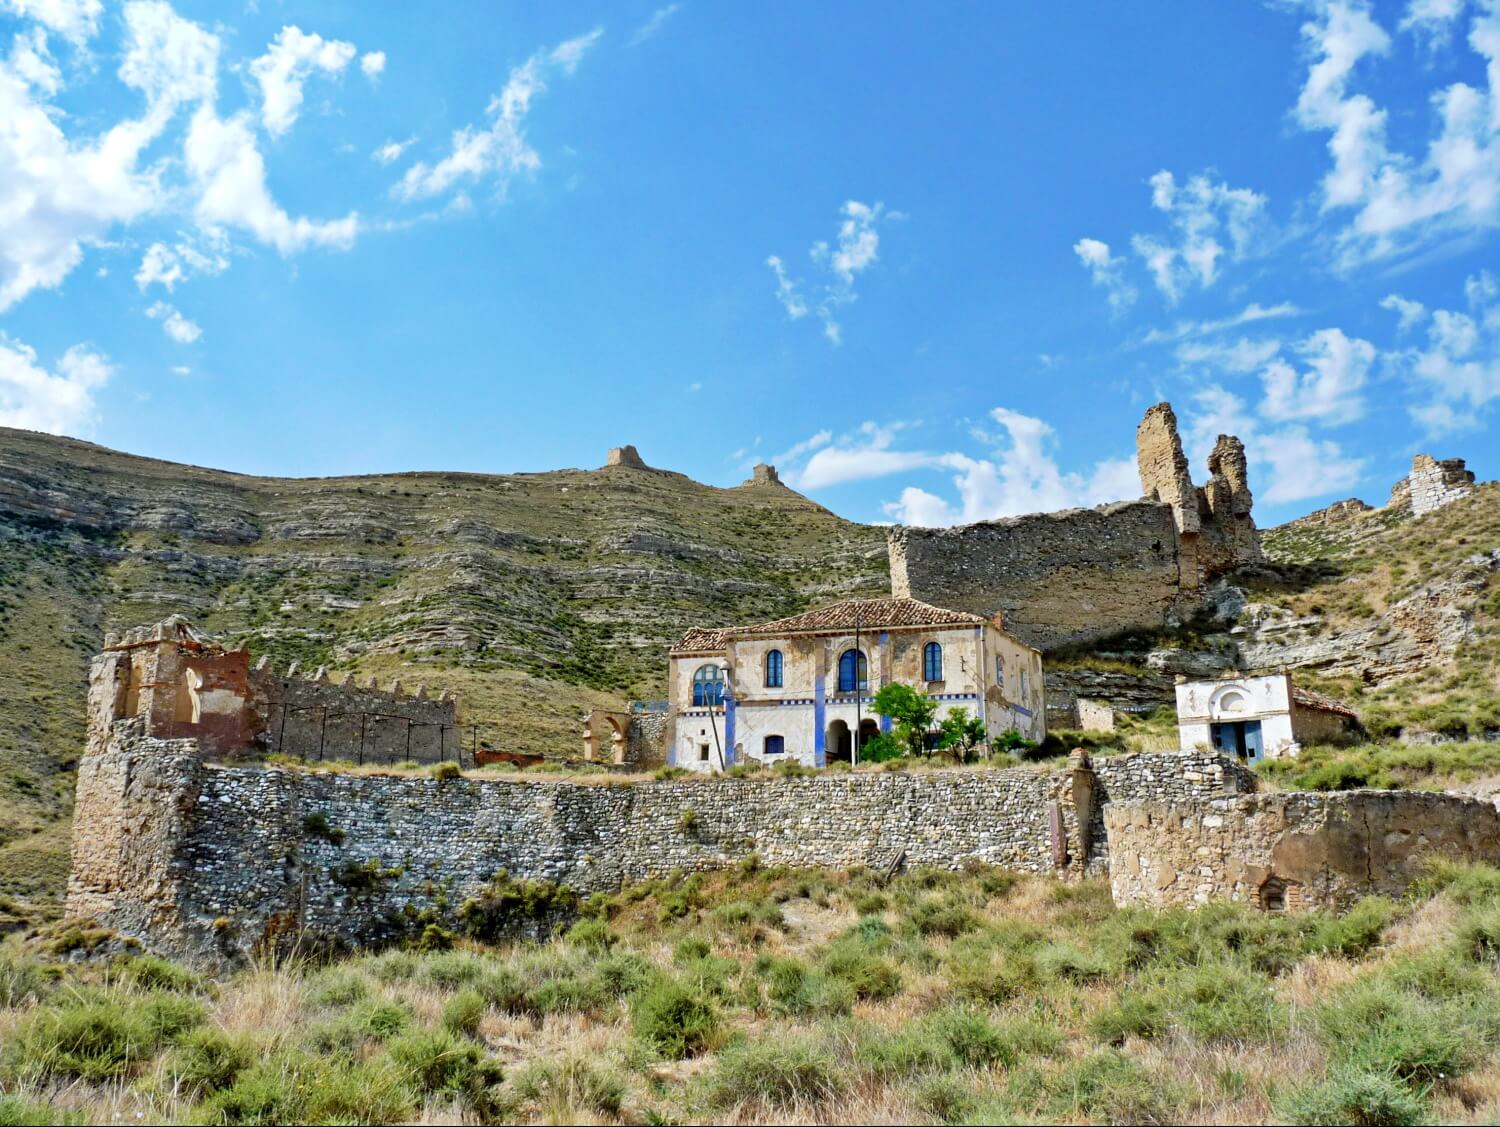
(1284, 852)
(213, 862)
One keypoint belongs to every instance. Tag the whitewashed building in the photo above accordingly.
(1258, 717)
(801, 689)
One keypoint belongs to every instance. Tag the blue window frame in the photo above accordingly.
(774, 663)
(775, 745)
(854, 672)
(932, 662)
(708, 687)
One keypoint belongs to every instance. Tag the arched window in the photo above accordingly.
(773, 669)
(932, 662)
(775, 745)
(854, 672)
(708, 686)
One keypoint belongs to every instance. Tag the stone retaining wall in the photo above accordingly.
(1290, 851)
(210, 862)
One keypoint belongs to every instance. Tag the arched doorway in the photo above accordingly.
(869, 728)
(839, 748)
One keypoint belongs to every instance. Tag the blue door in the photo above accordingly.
(1241, 738)
(1251, 741)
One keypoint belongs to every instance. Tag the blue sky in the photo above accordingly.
(934, 262)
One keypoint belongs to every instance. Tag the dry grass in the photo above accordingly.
(924, 1048)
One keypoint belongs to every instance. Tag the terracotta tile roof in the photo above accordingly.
(699, 640)
(872, 614)
(1309, 699)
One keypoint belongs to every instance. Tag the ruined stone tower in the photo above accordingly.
(1164, 477)
(626, 456)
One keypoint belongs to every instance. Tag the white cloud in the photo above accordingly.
(1408, 313)
(230, 176)
(1186, 330)
(787, 290)
(391, 151)
(856, 249)
(1243, 355)
(59, 401)
(1201, 212)
(1019, 476)
(167, 265)
(174, 324)
(170, 60)
(1106, 270)
(859, 457)
(1432, 19)
(75, 20)
(499, 151)
(1399, 200)
(1458, 370)
(58, 195)
(653, 25)
(290, 60)
(373, 64)
(1294, 465)
(32, 62)
(1331, 388)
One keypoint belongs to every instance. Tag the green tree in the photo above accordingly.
(910, 711)
(960, 734)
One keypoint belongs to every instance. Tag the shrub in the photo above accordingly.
(21, 980)
(151, 973)
(505, 906)
(971, 1037)
(571, 1084)
(1360, 1096)
(675, 1021)
(435, 1060)
(1132, 1014)
(338, 988)
(464, 1012)
(592, 934)
(781, 1072)
(16, 1112)
(947, 1098)
(936, 916)
(208, 1060)
(1355, 932)
(96, 1038)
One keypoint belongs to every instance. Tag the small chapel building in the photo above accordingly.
(1259, 716)
(801, 689)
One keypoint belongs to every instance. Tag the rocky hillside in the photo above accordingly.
(1395, 613)
(532, 596)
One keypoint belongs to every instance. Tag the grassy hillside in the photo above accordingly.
(531, 596)
(1387, 569)
(794, 997)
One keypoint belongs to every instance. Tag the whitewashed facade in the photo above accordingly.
(1258, 717)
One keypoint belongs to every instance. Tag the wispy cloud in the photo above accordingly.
(500, 151)
(855, 249)
(654, 24)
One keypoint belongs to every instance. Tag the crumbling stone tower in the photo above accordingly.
(1215, 532)
(1165, 478)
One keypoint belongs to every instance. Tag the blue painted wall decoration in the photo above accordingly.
(820, 713)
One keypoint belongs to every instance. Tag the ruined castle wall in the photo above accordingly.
(317, 719)
(1058, 578)
(1291, 851)
(211, 862)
